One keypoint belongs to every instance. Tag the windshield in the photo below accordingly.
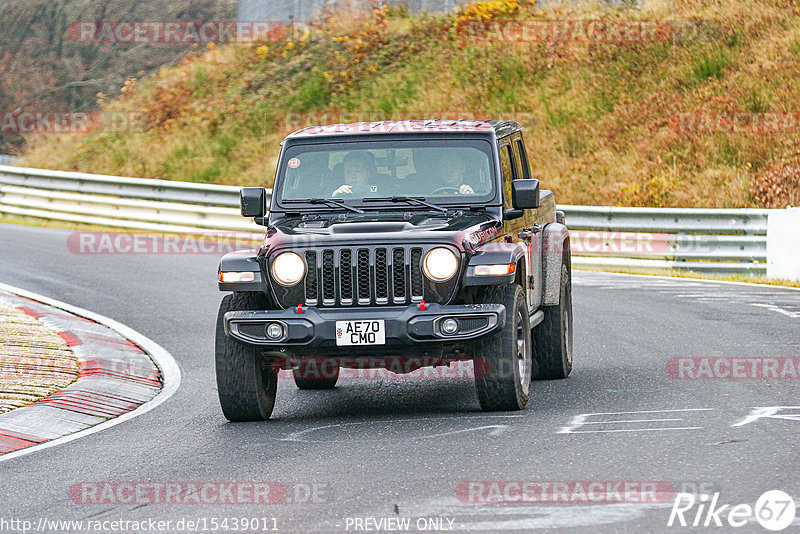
(443, 171)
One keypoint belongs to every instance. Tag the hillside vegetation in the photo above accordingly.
(606, 121)
(45, 67)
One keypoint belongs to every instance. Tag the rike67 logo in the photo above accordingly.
(774, 510)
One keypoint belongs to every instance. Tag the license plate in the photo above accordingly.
(360, 332)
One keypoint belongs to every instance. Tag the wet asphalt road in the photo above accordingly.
(377, 449)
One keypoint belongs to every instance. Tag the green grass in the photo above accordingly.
(794, 46)
(711, 65)
(313, 93)
(755, 101)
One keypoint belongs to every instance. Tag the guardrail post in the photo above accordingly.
(783, 245)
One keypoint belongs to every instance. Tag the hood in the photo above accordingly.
(463, 229)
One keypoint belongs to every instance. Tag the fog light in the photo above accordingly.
(275, 331)
(449, 326)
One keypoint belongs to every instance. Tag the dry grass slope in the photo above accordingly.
(603, 118)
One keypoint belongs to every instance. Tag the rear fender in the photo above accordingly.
(555, 246)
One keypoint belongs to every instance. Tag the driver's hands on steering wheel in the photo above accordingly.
(343, 189)
(448, 190)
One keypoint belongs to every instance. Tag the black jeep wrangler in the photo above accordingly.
(397, 245)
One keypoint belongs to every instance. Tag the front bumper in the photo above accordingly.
(404, 325)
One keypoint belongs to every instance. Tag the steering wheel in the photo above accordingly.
(453, 190)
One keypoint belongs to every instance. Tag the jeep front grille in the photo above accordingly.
(364, 276)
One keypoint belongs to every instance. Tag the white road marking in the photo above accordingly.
(170, 372)
(300, 436)
(632, 430)
(769, 412)
(629, 421)
(793, 315)
(581, 420)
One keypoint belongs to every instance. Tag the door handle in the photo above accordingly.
(527, 233)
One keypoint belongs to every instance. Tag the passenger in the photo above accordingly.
(361, 177)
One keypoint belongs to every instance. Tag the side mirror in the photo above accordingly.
(525, 194)
(510, 215)
(253, 201)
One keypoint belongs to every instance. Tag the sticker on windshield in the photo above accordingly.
(294, 163)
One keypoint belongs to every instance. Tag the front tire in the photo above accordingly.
(503, 361)
(246, 380)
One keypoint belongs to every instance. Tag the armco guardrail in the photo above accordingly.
(155, 205)
(705, 240)
(710, 240)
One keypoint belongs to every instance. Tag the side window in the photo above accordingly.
(522, 158)
(509, 172)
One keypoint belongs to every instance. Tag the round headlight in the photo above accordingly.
(440, 264)
(288, 268)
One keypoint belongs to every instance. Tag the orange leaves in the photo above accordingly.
(167, 104)
(778, 186)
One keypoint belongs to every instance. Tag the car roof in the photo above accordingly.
(414, 126)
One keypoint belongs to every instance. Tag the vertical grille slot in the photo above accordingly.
(328, 278)
(399, 275)
(381, 276)
(362, 276)
(311, 277)
(346, 275)
(417, 286)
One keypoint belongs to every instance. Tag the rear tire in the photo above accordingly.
(246, 380)
(553, 336)
(316, 374)
(503, 361)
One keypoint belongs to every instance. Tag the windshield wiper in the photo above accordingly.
(327, 201)
(410, 200)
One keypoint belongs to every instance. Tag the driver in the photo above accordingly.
(452, 170)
